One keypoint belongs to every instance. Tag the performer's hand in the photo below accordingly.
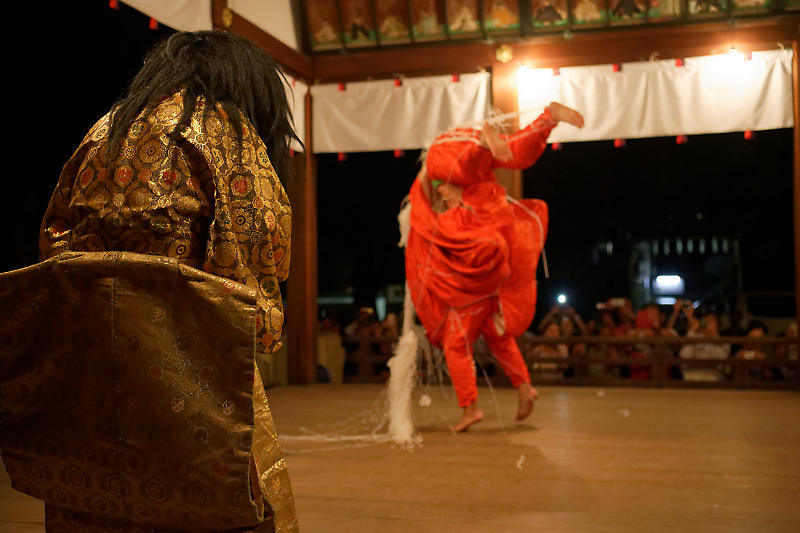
(499, 147)
(451, 194)
(562, 113)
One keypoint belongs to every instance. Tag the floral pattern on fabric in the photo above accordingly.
(130, 399)
(191, 196)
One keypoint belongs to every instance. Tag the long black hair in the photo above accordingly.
(226, 69)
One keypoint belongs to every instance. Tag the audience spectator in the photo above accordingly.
(735, 328)
(625, 317)
(390, 326)
(756, 330)
(330, 324)
(566, 317)
(646, 326)
(549, 370)
(616, 318)
(788, 352)
(390, 329)
(365, 324)
(757, 351)
(603, 350)
(708, 328)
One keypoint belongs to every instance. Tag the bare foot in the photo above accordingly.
(527, 397)
(472, 415)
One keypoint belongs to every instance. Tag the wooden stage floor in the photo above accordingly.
(588, 460)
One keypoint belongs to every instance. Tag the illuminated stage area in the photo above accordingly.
(587, 460)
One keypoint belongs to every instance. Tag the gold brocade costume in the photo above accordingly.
(185, 195)
(188, 197)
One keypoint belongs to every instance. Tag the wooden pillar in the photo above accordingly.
(796, 177)
(301, 309)
(504, 97)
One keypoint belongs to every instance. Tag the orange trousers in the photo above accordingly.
(462, 328)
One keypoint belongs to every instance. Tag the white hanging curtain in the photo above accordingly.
(296, 92)
(710, 94)
(183, 15)
(380, 116)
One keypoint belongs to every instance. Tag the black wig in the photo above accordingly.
(227, 70)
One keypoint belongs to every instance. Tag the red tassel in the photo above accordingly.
(619, 143)
(342, 156)
(342, 86)
(398, 82)
(153, 25)
(556, 71)
(679, 62)
(113, 4)
(681, 139)
(399, 153)
(556, 146)
(617, 67)
(456, 78)
(748, 135)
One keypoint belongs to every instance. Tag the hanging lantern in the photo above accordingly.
(153, 24)
(399, 153)
(227, 17)
(619, 143)
(616, 67)
(341, 157)
(398, 82)
(113, 4)
(342, 86)
(681, 139)
(456, 78)
(679, 62)
(504, 53)
(748, 135)
(556, 146)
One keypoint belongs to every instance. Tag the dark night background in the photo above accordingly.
(66, 73)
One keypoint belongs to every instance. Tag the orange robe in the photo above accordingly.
(472, 269)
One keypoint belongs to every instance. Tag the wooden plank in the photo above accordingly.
(302, 288)
(19, 513)
(504, 99)
(294, 62)
(583, 48)
(588, 461)
(629, 460)
(796, 176)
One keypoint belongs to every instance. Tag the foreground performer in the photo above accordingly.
(471, 254)
(187, 165)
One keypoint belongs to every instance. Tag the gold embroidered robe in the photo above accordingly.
(189, 196)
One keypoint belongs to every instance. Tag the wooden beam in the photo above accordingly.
(504, 98)
(293, 62)
(302, 288)
(796, 177)
(583, 48)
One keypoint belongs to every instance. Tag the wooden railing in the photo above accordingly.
(367, 357)
(663, 367)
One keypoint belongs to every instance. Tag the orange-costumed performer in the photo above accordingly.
(472, 253)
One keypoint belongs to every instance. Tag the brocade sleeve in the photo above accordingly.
(54, 234)
(249, 237)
